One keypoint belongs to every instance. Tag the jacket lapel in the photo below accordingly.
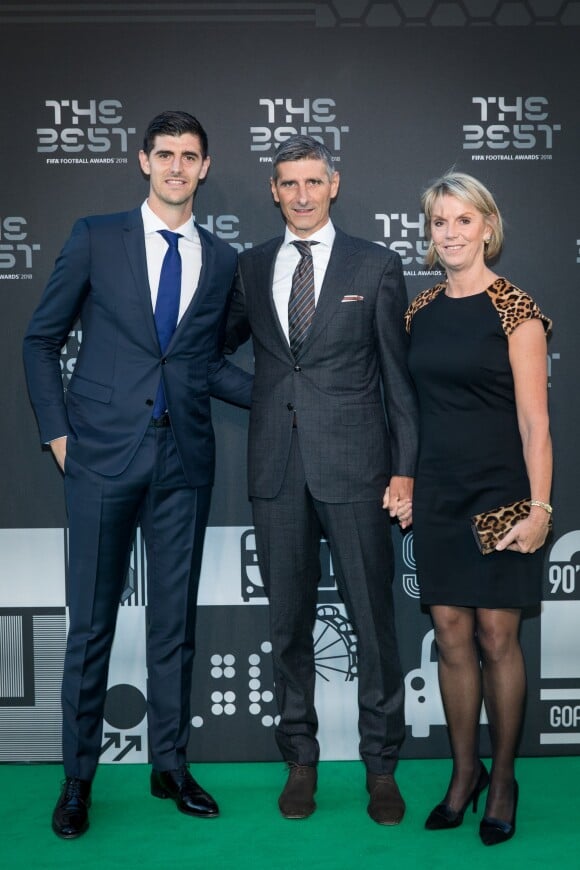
(203, 285)
(134, 241)
(264, 278)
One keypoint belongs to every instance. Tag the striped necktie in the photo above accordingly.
(301, 302)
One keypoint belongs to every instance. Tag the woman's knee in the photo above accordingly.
(454, 633)
(498, 635)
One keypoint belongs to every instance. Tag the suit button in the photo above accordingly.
(290, 406)
(163, 361)
(149, 402)
(297, 369)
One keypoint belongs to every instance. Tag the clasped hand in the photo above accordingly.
(398, 500)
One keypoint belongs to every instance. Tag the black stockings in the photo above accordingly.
(463, 636)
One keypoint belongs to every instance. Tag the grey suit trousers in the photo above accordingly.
(288, 531)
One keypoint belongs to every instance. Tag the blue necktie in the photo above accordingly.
(167, 305)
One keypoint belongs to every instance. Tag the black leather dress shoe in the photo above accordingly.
(189, 796)
(386, 804)
(70, 818)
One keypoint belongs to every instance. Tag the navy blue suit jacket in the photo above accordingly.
(101, 277)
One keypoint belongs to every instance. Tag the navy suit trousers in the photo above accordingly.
(103, 513)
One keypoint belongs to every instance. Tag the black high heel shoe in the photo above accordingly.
(494, 831)
(443, 817)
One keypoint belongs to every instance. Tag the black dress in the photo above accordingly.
(470, 454)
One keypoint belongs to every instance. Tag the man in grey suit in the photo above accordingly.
(325, 311)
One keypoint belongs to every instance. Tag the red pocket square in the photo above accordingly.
(353, 298)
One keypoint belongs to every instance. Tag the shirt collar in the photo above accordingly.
(324, 236)
(152, 224)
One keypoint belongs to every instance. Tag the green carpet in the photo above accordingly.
(130, 829)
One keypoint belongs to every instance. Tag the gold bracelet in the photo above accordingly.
(547, 507)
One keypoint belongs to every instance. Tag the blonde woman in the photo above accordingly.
(478, 359)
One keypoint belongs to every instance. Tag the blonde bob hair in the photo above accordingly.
(470, 190)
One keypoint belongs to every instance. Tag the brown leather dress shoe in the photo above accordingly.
(179, 785)
(386, 806)
(70, 818)
(297, 798)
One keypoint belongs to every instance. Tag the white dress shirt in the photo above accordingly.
(287, 260)
(156, 247)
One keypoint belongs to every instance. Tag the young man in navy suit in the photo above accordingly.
(135, 442)
(325, 311)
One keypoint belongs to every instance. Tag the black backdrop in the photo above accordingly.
(400, 92)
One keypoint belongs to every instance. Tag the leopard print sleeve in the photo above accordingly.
(420, 301)
(514, 306)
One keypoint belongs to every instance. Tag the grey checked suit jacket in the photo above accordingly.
(354, 355)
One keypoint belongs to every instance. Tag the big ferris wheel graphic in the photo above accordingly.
(335, 651)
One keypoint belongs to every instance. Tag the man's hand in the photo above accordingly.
(398, 499)
(58, 447)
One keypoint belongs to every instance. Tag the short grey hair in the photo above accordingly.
(302, 148)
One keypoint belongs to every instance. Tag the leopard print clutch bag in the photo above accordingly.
(489, 527)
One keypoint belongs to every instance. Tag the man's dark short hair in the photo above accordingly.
(302, 148)
(174, 124)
